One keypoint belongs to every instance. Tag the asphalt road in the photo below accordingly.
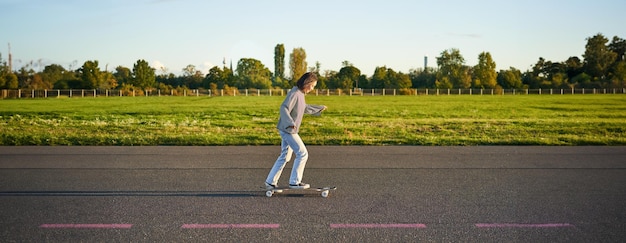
(393, 194)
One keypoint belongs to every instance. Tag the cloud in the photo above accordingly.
(205, 67)
(159, 67)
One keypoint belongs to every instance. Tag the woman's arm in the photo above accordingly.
(315, 110)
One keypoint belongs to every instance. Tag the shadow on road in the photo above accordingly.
(132, 193)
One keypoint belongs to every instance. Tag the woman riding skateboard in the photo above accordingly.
(291, 111)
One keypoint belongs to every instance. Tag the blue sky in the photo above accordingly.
(396, 34)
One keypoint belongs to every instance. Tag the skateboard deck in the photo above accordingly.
(324, 190)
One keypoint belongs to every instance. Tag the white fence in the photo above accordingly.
(72, 93)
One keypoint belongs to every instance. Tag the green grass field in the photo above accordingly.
(356, 120)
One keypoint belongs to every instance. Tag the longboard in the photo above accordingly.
(324, 190)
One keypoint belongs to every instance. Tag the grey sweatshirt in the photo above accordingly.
(293, 108)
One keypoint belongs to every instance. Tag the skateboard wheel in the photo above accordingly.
(269, 193)
(324, 193)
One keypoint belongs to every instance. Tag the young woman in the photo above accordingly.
(291, 111)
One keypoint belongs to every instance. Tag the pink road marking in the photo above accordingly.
(86, 226)
(337, 226)
(230, 226)
(523, 225)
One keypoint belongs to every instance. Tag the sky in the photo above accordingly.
(397, 34)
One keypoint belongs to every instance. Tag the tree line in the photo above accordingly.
(602, 66)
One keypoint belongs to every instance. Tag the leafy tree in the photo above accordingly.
(558, 75)
(538, 75)
(547, 74)
(253, 74)
(143, 75)
(389, 79)
(573, 67)
(510, 79)
(558, 80)
(582, 80)
(598, 57)
(321, 79)
(37, 82)
(485, 75)
(192, 78)
(168, 80)
(214, 77)
(189, 70)
(278, 79)
(220, 77)
(11, 81)
(279, 61)
(52, 74)
(4, 69)
(452, 68)
(443, 83)
(362, 82)
(345, 78)
(401, 80)
(123, 75)
(316, 69)
(618, 76)
(25, 75)
(422, 78)
(618, 45)
(328, 78)
(90, 75)
(378, 78)
(618, 69)
(69, 79)
(297, 64)
(108, 81)
(281, 83)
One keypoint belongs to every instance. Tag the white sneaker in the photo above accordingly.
(269, 186)
(300, 186)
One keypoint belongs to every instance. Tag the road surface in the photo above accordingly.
(386, 193)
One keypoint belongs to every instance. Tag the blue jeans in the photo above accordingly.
(290, 143)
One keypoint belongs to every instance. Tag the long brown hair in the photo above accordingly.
(306, 79)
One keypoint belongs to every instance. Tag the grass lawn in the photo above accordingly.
(350, 120)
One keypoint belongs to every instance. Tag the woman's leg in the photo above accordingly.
(281, 161)
(295, 143)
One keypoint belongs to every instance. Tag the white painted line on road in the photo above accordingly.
(230, 226)
(510, 225)
(276, 226)
(86, 226)
(340, 226)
